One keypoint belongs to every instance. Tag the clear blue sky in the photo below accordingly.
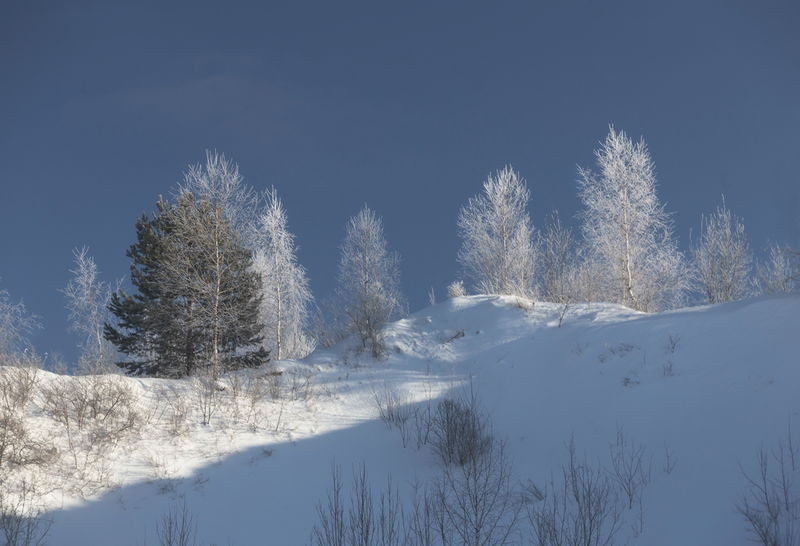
(405, 106)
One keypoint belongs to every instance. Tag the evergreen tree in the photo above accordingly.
(197, 302)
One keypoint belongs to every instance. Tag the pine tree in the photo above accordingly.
(197, 306)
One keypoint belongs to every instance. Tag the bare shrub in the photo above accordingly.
(21, 522)
(460, 430)
(366, 522)
(18, 379)
(177, 527)
(17, 448)
(331, 529)
(475, 503)
(233, 385)
(207, 394)
(581, 508)
(96, 412)
(629, 467)
(300, 384)
(472, 502)
(178, 409)
(361, 516)
(256, 389)
(456, 289)
(771, 506)
(421, 521)
(105, 402)
(524, 304)
(396, 411)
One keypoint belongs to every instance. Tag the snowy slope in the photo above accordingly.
(708, 386)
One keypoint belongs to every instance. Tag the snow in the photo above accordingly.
(733, 389)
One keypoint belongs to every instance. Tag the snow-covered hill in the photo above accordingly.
(701, 390)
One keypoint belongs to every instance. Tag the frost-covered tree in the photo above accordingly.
(558, 261)
(627, 230)
(368, 282)
(722, 257)
(287, 300)
(87, 302)
(218, 182)
(16, 324)
(780, 272)
(497, 251)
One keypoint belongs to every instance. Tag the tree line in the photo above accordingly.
(217, 284)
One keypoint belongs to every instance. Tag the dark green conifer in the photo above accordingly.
(197, 303)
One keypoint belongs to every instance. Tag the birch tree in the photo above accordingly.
(87, 302)
(722, 258)
(287, 299)
(368, 282)
(219, 182)
(497, 251)
(16, 324)
(627, 229)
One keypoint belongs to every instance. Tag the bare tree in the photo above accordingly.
(87, 301)
(722, 257)
(16, 324)
(497, 251)
(627, 228)
(780, 273)
(285, 309)
(369, 281)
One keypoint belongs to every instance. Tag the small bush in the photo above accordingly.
(582, 507)
(207, 394)
(21, 522)
(456, 289)
(106, 403)
(177, 527)
(365, 521)
(18, 380)
(17, 448)
(459, 430)
(178, 409)
(771, 506)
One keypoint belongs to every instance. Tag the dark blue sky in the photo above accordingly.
(404, 106)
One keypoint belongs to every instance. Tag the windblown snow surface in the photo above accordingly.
(733, 389)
